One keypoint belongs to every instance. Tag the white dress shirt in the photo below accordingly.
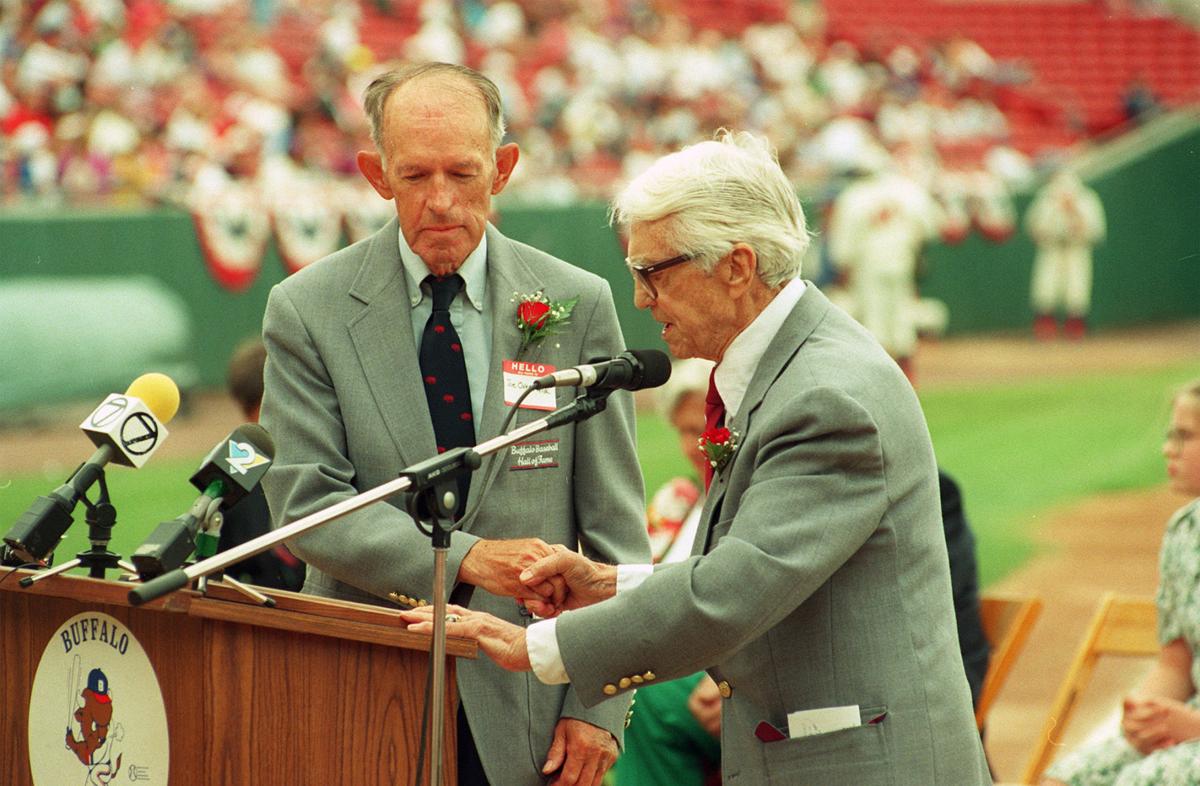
(681, 547)
(732, 377)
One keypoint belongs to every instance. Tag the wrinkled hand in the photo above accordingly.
(574, 581)
(494, 565)
(580, 752)
(705, 705)
(1144, 724)
(501, 641)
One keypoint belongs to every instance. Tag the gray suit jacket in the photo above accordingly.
(345, 404)
(819, 578)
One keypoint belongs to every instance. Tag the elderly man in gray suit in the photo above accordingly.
(416, 340)
(817, 594)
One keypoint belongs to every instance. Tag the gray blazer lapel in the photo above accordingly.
(507, 273)
(799, 325)
(383, 338)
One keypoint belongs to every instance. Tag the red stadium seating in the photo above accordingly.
(1081, 56)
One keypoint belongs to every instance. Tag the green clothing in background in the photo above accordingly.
(664, 745)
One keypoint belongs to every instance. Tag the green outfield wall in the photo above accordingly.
(155, 305)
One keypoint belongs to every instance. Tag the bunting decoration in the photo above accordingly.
(233, 229)
(308, 226)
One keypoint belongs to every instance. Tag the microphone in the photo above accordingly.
(231, 470)
(127, 429)
(634, 369)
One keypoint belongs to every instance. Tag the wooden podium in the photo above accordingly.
(312, 691)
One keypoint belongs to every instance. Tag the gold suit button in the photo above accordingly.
(637, 679)
(648, 676)
(625, 682)
(724, 689)
(610, 689)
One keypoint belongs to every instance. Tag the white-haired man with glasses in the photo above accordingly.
(818, 593)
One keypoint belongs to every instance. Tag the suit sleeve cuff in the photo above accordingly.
(629, 576)
(542, 645)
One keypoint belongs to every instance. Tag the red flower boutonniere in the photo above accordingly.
(718, 446)
(538, 316)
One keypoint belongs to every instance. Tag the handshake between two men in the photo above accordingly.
(547, 580)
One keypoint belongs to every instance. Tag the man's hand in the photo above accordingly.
(501, 641)
(705, 705)
(581, 753)
(586, 582)
(495, 564)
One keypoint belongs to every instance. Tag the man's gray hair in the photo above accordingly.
(718, 193)
(381, 88)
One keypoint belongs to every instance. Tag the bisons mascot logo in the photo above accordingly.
(114, 718)
(94, 746)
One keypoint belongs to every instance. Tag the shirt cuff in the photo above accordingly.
(541, 642)
(629, 576)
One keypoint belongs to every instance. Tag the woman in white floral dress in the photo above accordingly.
(1159, 743)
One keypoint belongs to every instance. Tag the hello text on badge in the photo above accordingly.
(518, 376)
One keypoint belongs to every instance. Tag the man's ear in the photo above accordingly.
(743, 269)
(370, 164)
(506, 161)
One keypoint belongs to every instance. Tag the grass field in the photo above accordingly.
(1019, 449)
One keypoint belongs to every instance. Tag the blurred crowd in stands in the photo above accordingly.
(172, 100)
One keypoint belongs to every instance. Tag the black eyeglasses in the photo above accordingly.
(642, 273)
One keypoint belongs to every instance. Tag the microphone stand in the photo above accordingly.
(207, 539)
(431, 485)
(101, 517)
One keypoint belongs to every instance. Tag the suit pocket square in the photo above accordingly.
(768, 732)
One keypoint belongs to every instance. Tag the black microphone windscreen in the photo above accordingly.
(239, 460)
(656, 367)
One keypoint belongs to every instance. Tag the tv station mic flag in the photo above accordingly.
(127, 428)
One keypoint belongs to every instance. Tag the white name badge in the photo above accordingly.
(518, 376)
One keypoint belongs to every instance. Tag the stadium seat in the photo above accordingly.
(1069, 47)
(1123, 626)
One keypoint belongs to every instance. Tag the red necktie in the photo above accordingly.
(714, 416)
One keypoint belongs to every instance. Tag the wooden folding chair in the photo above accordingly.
(1007, 620)
(1122, 625)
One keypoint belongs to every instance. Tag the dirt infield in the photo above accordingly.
(1014, 358)
(1106, 543)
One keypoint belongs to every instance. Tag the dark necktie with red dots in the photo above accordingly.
(445, 375)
